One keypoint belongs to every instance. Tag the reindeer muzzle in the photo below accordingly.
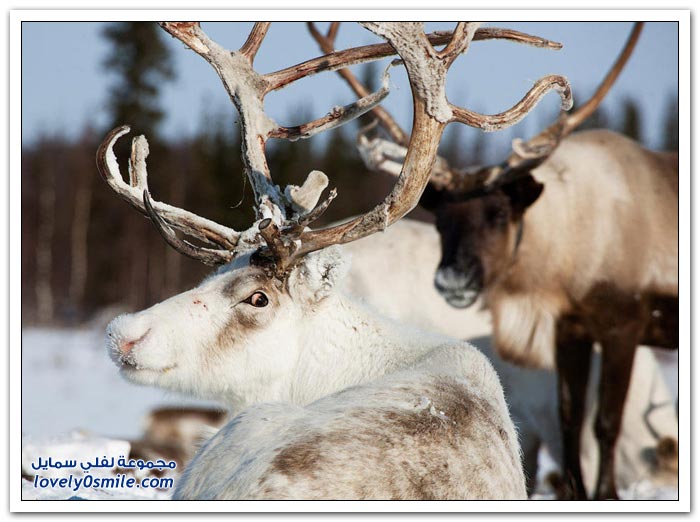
(458, 287)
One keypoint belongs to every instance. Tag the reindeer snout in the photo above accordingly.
(452, 278)
(125, 346)
(459, 289)
(141, 346)
(124, 334)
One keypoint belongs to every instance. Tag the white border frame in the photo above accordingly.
(17, 505)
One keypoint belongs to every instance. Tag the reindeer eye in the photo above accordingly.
(496, 215)
(258, 300)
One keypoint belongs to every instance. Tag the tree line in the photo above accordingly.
(84, 249)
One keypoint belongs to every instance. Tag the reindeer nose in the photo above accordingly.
(126, 345)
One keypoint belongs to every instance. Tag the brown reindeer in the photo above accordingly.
(570, 241)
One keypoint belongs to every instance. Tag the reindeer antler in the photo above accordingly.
(529, 155)
(247, 89)
(382, 155)
(542, 145)
(133, 192)
(287, 237)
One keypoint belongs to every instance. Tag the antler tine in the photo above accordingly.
(207, 256)
(332, 31)
(491, 123)
(255, 38)
(132, 192)
(272, 235)
(498, 33)
(461, 38)
(541, 146)
(337, 116)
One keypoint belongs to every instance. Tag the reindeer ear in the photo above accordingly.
(430, 198)
(318, 274)
(522, 193)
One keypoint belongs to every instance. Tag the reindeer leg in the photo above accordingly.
(619, 346)
(573, 357)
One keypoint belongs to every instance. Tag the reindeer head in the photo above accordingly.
(479, 234)
(202, 341)
(245, 327)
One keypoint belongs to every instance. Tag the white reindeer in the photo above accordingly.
(364, 407)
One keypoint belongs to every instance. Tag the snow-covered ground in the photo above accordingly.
(82, 450)
(75, 405)
(69, 383)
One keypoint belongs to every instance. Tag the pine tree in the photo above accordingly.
(141, 63)
(670, 128)
(224, 192)
(369, 78)
(598, 120)
(631, 120)
(477, 153)
(453, 145)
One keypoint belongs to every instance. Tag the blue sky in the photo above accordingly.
(64, 85)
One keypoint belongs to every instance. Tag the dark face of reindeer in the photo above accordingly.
(479, 235)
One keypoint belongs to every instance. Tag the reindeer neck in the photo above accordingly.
(348, 344)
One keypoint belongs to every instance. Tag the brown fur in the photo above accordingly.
(241, 321)
(458, 418)
(176, 433)
(238, 325)
(667, 455)
(166, 415)
(625, 233)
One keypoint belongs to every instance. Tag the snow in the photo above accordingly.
(668, 361)
(76, 406)
(427, 404)
(69, 383)
(83, 449)
(76, 446)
